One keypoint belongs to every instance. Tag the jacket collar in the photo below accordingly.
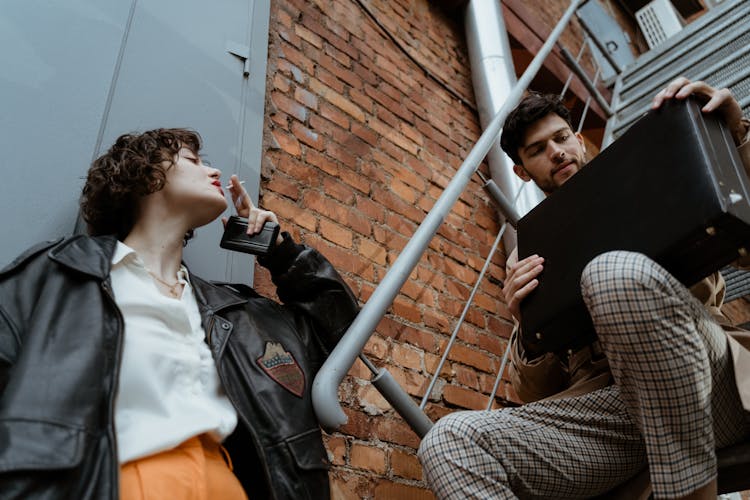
(214, 297)
(86, 254)
(92, 255)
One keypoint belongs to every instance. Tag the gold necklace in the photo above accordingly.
(173, 289)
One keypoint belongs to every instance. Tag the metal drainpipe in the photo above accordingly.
(493, 76)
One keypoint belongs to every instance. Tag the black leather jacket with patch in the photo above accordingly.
(61, 335)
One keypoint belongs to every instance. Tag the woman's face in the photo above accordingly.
(194, 189)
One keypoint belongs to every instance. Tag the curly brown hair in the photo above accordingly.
(135, 166)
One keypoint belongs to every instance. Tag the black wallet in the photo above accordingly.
(235, 237)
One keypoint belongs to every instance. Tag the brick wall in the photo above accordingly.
(360, 142)
(363, 131)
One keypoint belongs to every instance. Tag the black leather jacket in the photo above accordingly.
(60, 346)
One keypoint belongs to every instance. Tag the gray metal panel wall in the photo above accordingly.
(94, 70)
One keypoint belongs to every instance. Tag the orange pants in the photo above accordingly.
(195, 470)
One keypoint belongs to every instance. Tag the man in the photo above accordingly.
(656, 389)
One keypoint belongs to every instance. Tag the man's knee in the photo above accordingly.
(460, 430)
(443, 435)
(620, 272)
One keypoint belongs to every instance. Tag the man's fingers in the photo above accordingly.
(675, 88)
(523, 292)
(524, 265)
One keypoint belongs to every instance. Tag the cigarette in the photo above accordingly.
(230, 185)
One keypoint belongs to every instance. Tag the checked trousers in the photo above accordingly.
(673, 403)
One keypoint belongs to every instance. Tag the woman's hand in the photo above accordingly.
(245, 208)
(520, 280)
(720, 101)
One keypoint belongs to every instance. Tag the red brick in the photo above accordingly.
(329, 166)
(373, 172)
(330, 80)
(306, 98)
(388, 490)
(281, 83)
(297, 170)
(336, 189)
(394, 430)
(337, 100)
(499, 327)
(376, 347)
(289, 106)
(336, 446)
(419, 293)
(289, 36)
(287, 68)
(284, 186)
(406, 309)
(431, 363)
(359, 370)
(351, 79)
(340, 153)
(289, 213)
(365, 133)
(406, 465)
(436, 321)
(393, 202)
(335, 233)
(371, 401)
(286, 142)
(308, 36)
(335, 115)
(309, 137)
(367, 457)
(466, 377)
(464, 398)
(296, 57)
(408, 357)
(348, 486)
(372, 251)
(471, 357)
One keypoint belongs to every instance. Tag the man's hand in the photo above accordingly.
(719, 100)
(245, 208)
(520, 280)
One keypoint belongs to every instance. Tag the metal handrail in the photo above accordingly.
(325, 386)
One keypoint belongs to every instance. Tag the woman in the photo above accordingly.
(121, 374)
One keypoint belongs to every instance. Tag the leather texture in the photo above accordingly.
(60, 342)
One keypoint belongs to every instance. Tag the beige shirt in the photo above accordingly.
(169, 389)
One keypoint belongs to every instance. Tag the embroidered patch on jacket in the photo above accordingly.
(281, 366)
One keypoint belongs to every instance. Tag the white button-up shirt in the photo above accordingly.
(169, 389)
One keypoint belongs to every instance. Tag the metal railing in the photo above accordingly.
(333, 371)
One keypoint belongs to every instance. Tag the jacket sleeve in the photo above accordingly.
(306, 280)
(744, 151)
(11, 331)
(10, 341)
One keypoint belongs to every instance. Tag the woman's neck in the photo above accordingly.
(159, 247)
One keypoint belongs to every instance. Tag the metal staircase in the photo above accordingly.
(715, 49)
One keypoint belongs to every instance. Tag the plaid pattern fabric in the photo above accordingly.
(671, 363)
(674, 385)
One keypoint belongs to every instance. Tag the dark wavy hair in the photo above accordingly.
(135, 166)
(532, 108)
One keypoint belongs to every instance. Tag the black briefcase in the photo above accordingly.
(672, 187)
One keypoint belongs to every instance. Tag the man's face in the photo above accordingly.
(550, 154)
